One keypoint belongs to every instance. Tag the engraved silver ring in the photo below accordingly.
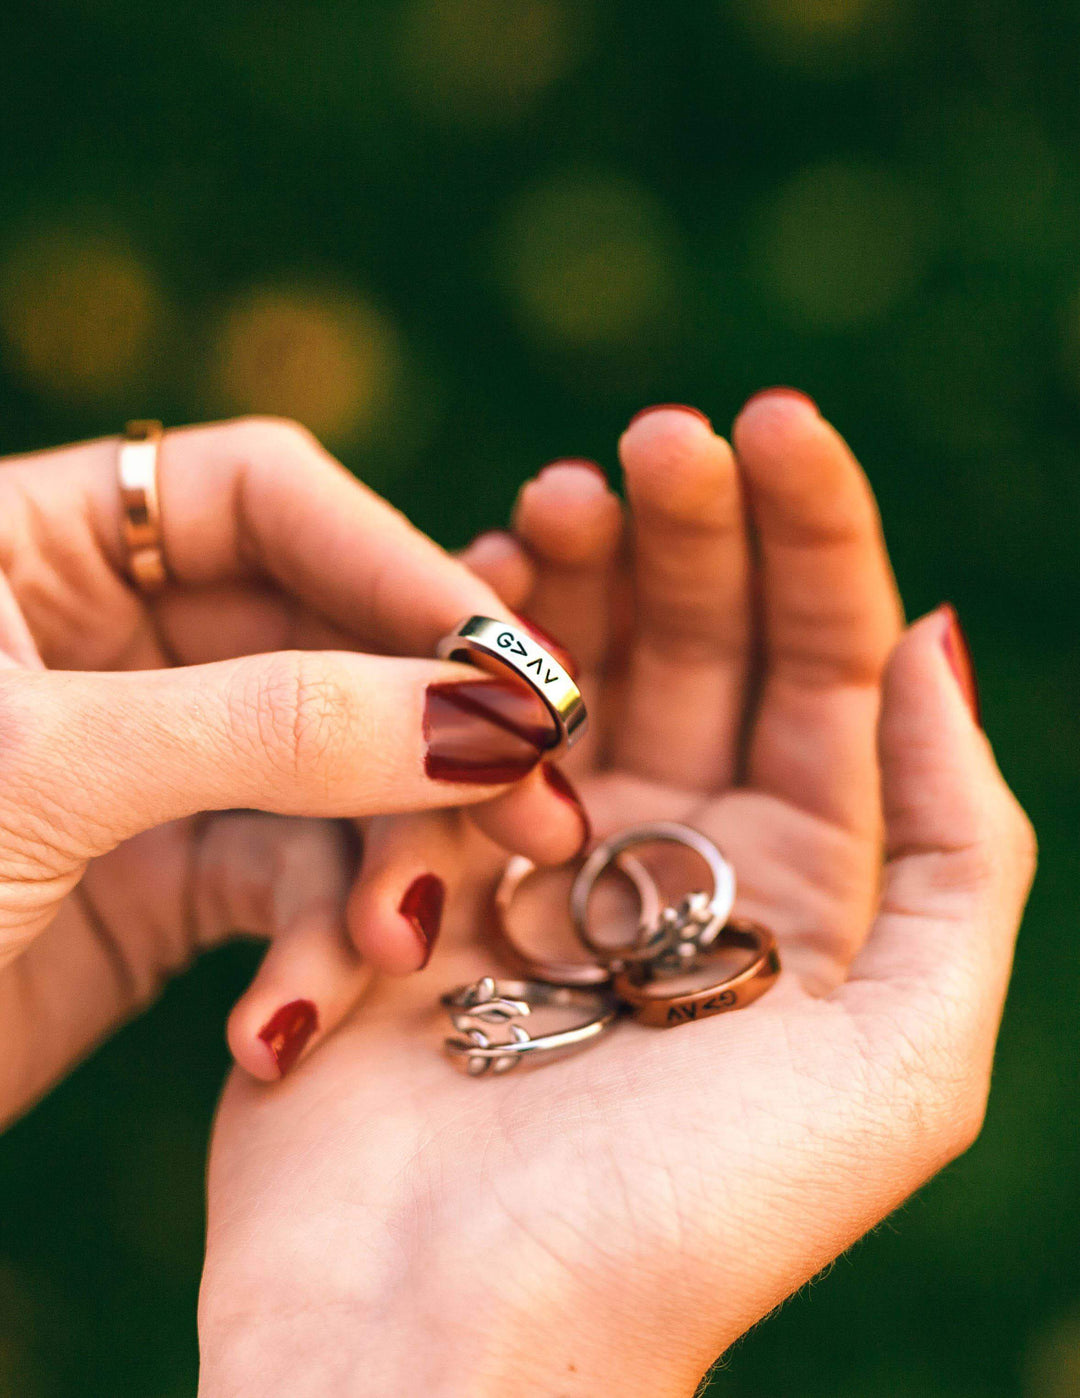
(489, 643)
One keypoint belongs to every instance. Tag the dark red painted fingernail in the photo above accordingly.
(548, 641)
(288, 1031)
(958, 653)
(781, 391)
(669, 407)
(485, 732)
(422, 906)
(564, 789)
(575, 461)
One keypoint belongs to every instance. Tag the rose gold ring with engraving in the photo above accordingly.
(654, 1000)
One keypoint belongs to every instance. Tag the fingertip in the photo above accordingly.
(499, 560)
(270, 1048)
(772, 415)
(668, 429)
(542, 818)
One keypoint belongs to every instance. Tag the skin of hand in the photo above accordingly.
(380, 1224)
(125, 720)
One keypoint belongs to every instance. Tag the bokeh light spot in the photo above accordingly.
(1053, 1368)
(588, 262)
(841, 244)
(479, 60)
(323, 357)
(827, 34)
(76, 314)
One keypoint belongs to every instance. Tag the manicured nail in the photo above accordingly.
(288, 1031)
(669, 407)
(958, 653)
(781, 391)
(575, 461)
(548, 641)
(484, 732)
(561, 785)
(422, 906)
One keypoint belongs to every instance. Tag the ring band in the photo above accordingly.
(140, 516)
(481, 639)
(653, 1005)
(505, 1003)
(570, 973)
(681, 932)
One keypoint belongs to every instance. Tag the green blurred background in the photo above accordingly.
(458, 238)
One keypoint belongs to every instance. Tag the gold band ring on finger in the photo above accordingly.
(140, 513)
(498, 646)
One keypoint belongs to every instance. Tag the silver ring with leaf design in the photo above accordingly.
(684, 930)
(490, 1015)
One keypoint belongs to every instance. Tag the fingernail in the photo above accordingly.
(958, 653)
(288, 1031)
(422, 906)
(484, 732)
(781, 391)
(564, 789)
(548, 641)
(669, 407)
(575, 461)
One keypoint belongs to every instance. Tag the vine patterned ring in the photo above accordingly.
(683, 931)
(478, 1008)
(500, 645)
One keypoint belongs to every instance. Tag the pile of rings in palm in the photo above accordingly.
(677, 937)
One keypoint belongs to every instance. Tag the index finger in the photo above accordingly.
(260, 498)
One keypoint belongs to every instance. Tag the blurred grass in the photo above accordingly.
(460, 239)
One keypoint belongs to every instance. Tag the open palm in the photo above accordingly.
(381, 1225)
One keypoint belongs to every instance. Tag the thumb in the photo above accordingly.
(960, 851)
(88, 760)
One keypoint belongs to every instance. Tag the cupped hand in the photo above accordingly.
(124, 719)
(381, 1224)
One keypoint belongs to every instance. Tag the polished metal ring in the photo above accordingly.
(654, 1002)
(574, 973)
(682, 931)
(489, 643)
(140, 514)
(487, 1004)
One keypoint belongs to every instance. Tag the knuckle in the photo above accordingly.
(304, 714)
(280, 437)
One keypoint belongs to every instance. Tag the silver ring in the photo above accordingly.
(481, 639)
(485, 1004)
(683, 930)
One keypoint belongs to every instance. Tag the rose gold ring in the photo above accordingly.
(555, 971)
(140, 516)
(654, 1004)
